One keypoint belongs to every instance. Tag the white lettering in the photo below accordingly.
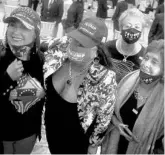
(90, 25)
(87, 31)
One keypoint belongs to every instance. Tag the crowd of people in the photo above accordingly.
(96, 93)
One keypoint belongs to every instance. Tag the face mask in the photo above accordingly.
(22, 52)
(79, 54)
(76, 56)
(148, 79)
(131, 35)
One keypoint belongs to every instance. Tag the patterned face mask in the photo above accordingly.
(148, 79)
(22, 53)
(130, 35)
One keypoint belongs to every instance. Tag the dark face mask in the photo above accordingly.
(148, 79)
(19, 51)
(131, 35)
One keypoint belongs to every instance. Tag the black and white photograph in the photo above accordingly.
(82, 77)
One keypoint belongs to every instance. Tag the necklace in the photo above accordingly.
(141, 98)
(124, 55)
(69, 81)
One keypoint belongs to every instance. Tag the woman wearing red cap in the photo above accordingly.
(80, 90)
(21, 80)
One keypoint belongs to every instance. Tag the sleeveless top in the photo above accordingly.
(62, 123)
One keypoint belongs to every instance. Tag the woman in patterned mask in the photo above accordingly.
(21, 80)
(138, 123)
(80, 90)
(126, 50)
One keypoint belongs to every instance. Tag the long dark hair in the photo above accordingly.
(104, 56)
(2, 49)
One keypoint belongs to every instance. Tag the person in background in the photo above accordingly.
(122, 5)
(52, 11)
(126, 50)
(137, 126)
(90, 4)
(21, 80)
(114, 2)
(160, 8)
(102, 9)
(131, 2)
(33, 4)
(149, 8)
(160, 2)
(74, 16)
(142, 5)
(80, 90)
(157, 29)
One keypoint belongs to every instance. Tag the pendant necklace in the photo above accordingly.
(69, 81)
(125, 56)
(141, 98)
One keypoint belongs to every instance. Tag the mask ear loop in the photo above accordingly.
(70, 40)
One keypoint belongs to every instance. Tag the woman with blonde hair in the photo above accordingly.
(126, 50)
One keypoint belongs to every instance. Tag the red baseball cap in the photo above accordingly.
(90, 32)
(29, 18)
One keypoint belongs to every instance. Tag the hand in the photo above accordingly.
(54, 42)
(108, 7)
(13, 94)
(15, 70)
(124, 130)
(92, 149)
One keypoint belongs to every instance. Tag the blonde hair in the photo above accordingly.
(132, 12)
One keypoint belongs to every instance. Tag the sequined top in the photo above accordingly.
(95, 96)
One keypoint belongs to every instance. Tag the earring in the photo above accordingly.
(96, 60)
(70, 40)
